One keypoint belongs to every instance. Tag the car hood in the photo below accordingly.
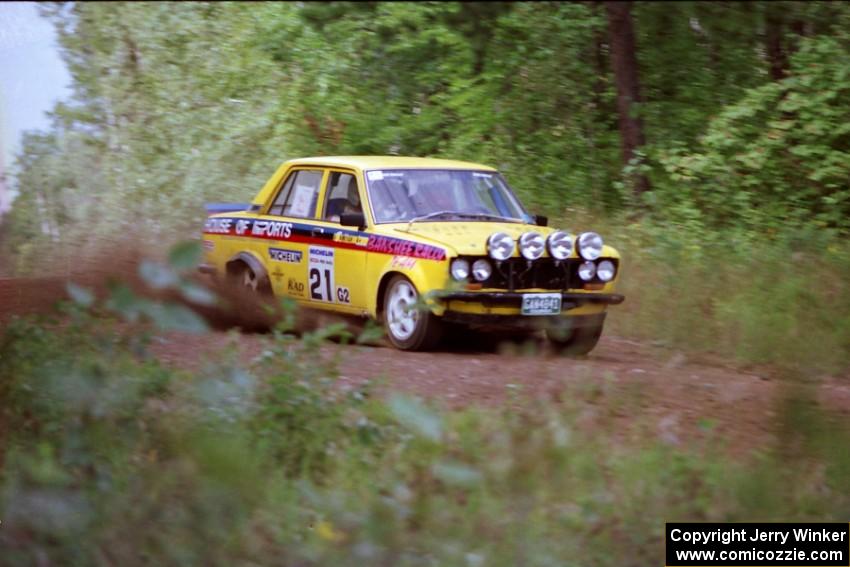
(465, 238)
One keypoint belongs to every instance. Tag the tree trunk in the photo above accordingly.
(624, 62)
(773, 44)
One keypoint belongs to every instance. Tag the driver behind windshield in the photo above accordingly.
(430, 196)
(405, 195)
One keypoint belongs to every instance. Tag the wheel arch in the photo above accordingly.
(250, 260)
(382, 291)
(421, 278)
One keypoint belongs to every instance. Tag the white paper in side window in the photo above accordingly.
(375, 175)
(302, 198)
(484, 175)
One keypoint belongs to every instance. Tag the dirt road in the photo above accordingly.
(636, 389)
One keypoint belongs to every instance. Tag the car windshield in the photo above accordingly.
(411, 195)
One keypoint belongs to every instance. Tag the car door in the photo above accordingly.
(336, 260)
(287, 228)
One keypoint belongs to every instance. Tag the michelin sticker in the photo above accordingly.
(283, 255)
(320, 270)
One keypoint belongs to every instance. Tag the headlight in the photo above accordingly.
(500, 246)
(606, 270)
(560, 244)
(586, 271)
(481, 270)
(589, 245)
(531, 245)
(460, 269)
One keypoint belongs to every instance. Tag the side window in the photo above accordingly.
(298, 196)
(342, 196)
(277, 206)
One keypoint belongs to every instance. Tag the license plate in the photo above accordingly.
(541, 304)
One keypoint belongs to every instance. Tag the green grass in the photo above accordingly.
(110, 458)
(781, 299)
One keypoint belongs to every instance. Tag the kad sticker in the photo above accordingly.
(284, 255)
(209, 245)
(294, 287)
(321, 273)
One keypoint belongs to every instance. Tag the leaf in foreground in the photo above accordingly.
(80, 295)
(413, 414)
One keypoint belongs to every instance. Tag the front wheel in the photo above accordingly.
(576, 342)
(409, 325)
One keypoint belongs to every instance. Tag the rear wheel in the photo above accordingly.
(409, 326)
(575, 342)
(245, 279)
(248, 296)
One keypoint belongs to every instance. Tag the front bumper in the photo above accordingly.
(501, 322)
(569, 300)
(501, 301)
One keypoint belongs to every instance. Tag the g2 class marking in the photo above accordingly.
(343, 295)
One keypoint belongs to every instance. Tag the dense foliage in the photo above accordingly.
(110, 457)
(178, 104)
(745, 106)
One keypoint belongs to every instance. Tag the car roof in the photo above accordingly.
(389, 162)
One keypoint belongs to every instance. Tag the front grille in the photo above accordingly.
(543, 273)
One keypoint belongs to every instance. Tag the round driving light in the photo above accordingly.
(481, 270)
(531, 245)
(560, 244)
(460, 269)
(500, 246)
(589, 245)
(606, 270)
(586, 271)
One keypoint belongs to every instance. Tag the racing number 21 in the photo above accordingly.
(320, 290)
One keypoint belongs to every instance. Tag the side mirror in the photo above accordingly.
(541, 220)
(353, 219)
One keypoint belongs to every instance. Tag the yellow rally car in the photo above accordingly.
(417, 244)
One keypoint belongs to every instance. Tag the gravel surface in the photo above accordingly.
(633, 389)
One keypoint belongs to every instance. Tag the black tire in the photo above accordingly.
(575, 342)
(249, 300)
(422, 331)
(243, 278)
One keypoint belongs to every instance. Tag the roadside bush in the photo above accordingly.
(110, 457)
(779, 297)
(779, 158)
